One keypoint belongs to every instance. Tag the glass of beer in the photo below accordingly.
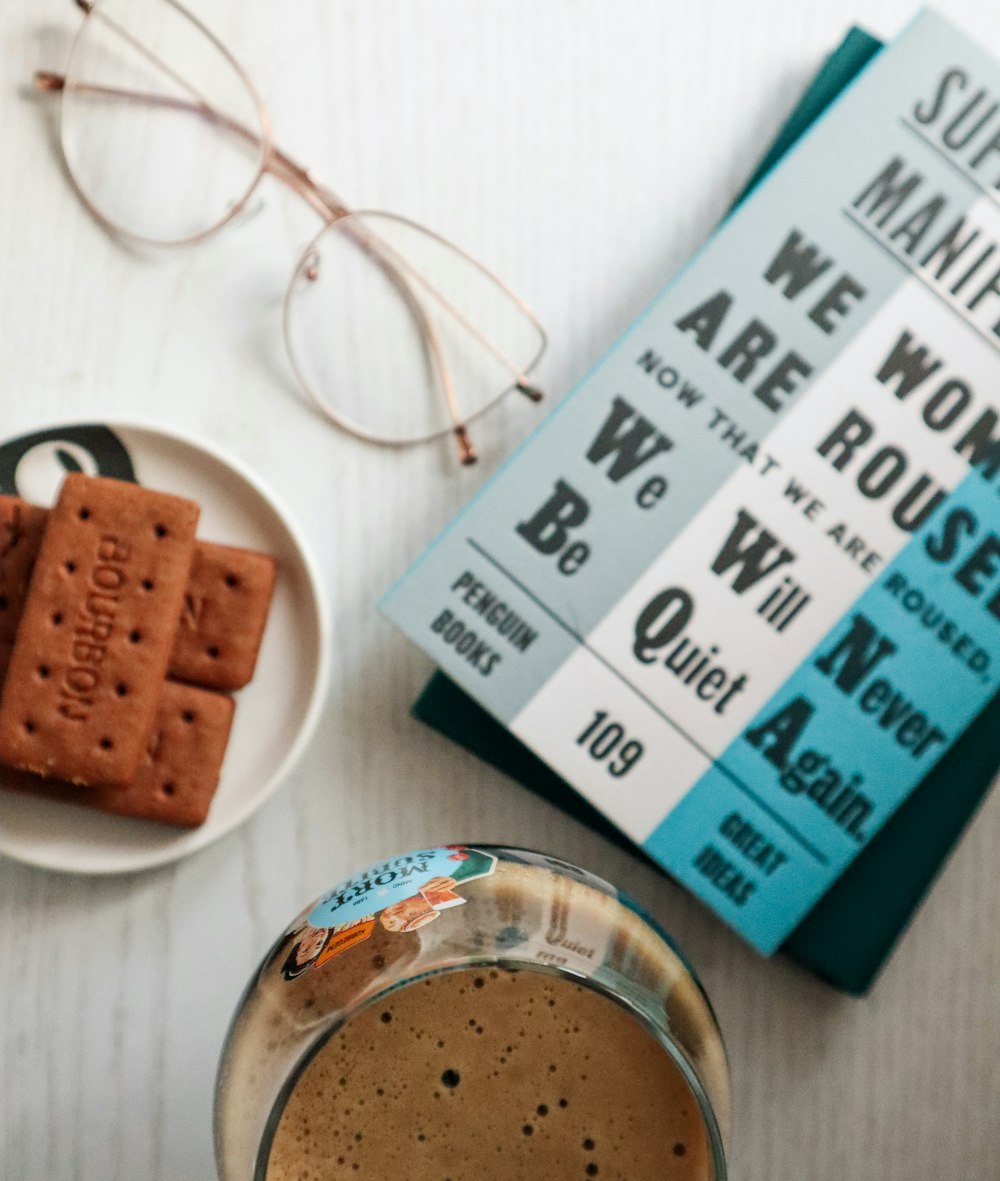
(468, 1013)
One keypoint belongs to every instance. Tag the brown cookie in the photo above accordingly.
(225, 610)
(226, 604)
(91, 652)
(21, 528)
(179, 771)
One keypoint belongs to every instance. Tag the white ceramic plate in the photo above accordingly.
(275, 714)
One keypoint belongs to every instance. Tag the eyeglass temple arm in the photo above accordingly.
(322, 200)
(330, 207)
(288, 172)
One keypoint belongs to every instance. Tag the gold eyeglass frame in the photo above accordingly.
(413, 287)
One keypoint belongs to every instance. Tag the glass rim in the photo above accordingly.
(115, 228)
(326, 406)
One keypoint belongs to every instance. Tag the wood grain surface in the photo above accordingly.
(584, 150)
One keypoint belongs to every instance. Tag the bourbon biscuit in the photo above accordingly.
(179, 772)
(21, 528)
(226, 603)
(91, 652)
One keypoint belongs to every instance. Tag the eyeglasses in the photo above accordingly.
(395, 334)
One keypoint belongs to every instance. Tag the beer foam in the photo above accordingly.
(475, 1075)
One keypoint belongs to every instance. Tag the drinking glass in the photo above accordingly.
(417, 917)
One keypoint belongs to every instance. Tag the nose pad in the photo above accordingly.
(310, 266)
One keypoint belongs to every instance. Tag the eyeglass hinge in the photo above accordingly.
(85, 5)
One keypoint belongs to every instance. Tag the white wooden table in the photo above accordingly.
(584, 149)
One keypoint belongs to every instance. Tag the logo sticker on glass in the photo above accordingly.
(402, 895)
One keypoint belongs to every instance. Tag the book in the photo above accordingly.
(705, 828)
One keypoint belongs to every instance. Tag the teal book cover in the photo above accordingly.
(846, 927)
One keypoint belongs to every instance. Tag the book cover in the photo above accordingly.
(703, 588)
